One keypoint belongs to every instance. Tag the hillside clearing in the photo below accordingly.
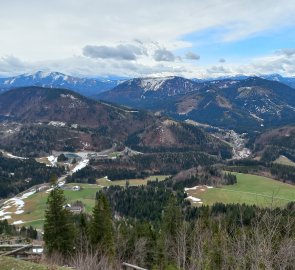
(284, 161)
(250, 189)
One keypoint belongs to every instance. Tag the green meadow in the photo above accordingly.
(250, 189)
(35, 205)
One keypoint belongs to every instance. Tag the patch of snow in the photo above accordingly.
(17, 222)
(76, 188)
(81, 165)
(42, 74)
(196, 187)
(12, 156)
(12, 81)
(52, 160)
(28, 194)
(48, 190)
(56, 124)
(60, 184)
(153, 84)
(15, 202)
(192, 188)
(256, 117)
(106, 178)
(194, 199)
(5, 217)
(68, 96)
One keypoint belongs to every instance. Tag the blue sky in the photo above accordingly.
(209, 44)
(134, 38)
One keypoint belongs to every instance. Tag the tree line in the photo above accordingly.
(11, 230)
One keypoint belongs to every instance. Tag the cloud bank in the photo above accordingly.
(138, 38)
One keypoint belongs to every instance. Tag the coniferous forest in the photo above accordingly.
(154, 226)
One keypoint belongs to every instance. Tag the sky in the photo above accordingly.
(132, 38)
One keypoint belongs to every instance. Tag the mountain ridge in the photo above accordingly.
(85, 86)
(63, 118)
(252, 102)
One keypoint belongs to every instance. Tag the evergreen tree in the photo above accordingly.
(101, 226)
(172, 217)
(58, 230)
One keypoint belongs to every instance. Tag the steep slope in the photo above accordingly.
(37, 120)
(84, 86)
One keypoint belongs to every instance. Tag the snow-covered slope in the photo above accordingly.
(140, 89)
(85, 86)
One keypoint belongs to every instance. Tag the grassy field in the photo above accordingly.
(250, 189)
(35, 205)
(8, 263)
(284, 161)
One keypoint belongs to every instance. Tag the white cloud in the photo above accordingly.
(278, 62)
(40, 30)
(121, 52)
(135, 38)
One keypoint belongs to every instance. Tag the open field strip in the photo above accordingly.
(250, 189)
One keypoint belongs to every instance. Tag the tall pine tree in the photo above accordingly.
(101, 226)
(58, 229)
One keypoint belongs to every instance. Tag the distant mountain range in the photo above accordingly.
(238, 102)
(241, 104)
(93, 86)
(290, 81)
(84, 86)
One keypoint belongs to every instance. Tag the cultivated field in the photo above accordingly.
(250, 189)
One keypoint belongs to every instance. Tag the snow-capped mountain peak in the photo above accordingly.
(153, 84)
(85, 86)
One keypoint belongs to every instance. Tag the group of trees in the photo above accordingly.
(63, 231)
(17, 175)
(11, 230)
(140, 166)
(280, 172)
(89, 174)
